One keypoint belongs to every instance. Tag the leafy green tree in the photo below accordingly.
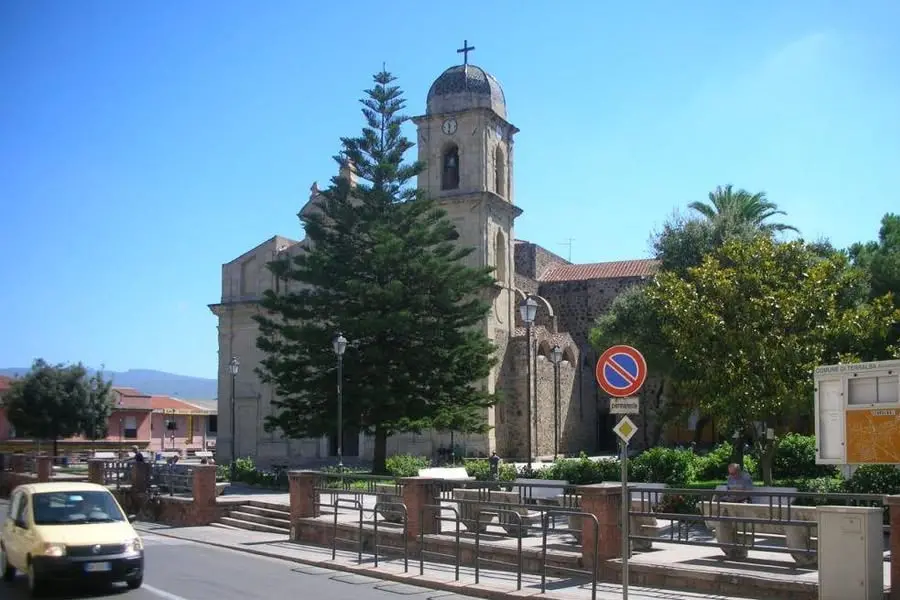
(749, 324)
(99, 407)
(881, 261)
(383, 268)
(53, 402)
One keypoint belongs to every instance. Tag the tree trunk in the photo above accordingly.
(766, 458)
(55, 448)
(737, 451)
(380, 453)
(702, 422)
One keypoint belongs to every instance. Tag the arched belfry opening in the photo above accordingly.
(499, 171)
(450, 168)
(500, 257)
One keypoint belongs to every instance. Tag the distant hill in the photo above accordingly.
(151, 382)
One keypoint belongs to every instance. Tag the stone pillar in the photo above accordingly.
(140, 477)
(604, 501)
(204, 485)
(302, 489)
(893, 502)
(17, 463)
(419, 492)
(44, 467)
(95, 471)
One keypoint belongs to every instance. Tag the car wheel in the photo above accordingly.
(135, 583)
(7, 571)
(35, 585)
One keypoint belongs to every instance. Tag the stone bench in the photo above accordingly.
(478, 507)
(446, 473)
(776, 515)
(540, 491)
(779, 498)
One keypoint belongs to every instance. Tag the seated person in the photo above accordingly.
(738, 480)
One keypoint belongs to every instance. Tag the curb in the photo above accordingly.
(460, 588)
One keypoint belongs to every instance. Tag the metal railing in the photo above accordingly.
(761, 520)
(595, 561)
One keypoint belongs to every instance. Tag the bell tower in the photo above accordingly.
(466, 143)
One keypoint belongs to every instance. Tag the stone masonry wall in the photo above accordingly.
(532, 260)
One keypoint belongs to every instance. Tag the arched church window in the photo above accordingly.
(500, 258)
(450, 171)
(499, 171)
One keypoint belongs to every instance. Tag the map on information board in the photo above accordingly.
(873, 436)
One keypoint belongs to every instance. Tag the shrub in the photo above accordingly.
(581, 470)
(406, 465)
(795, 457)
(875, 479)
(714, 465)
(678, 504)
(672, 466)
(827, 486)
(480, 469)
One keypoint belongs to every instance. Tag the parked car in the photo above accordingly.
(69, 532)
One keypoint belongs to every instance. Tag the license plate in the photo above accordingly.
(97, 567)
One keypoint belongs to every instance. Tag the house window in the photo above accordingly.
(499, 171)
(212, 424)
(130, 428)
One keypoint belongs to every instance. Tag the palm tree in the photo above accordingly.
(739, 209)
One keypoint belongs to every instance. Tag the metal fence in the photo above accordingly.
(492, 523)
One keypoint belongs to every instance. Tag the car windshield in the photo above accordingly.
(76, 507)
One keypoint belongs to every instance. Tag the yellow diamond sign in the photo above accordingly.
(625, 429)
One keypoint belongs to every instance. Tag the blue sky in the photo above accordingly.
(143, 144)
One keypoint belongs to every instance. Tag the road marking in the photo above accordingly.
(162, 593)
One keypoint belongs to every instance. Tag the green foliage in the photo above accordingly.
(795, 457)
(749, 325)
(880, 260)
(673, 466)
(406, 465)
(582, 470)
(713, 466)
(683, 504)
(58, 401)
(481, 470)
(383, 268)
(875, 479)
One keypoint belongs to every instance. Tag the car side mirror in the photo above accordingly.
(132, 518)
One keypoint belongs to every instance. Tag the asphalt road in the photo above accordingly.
(182, 570)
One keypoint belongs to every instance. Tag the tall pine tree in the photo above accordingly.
(383, 269)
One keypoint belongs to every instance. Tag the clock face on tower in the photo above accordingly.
(449, 126)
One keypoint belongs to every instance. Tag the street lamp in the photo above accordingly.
(233, 366)
(528, 311)
(340, 345)
(556, 358)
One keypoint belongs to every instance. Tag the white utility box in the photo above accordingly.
(851, 553)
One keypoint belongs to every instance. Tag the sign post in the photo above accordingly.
(621, 372)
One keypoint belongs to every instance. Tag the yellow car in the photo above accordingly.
(69, 532)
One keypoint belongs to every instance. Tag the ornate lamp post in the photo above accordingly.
(233, 366)
(556, 358)
(340, 345)
(528, 312)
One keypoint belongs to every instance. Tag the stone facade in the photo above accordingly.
(467, 143)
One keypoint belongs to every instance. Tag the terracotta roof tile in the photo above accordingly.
(605, 270)
(169, 403)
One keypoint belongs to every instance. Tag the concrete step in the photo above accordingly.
(240, 515)
(263, 511)
(270, 505)
(252, 526)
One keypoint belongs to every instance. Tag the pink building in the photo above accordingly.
(153, 423)
(181, 426)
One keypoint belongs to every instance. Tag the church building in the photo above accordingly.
(467, 142)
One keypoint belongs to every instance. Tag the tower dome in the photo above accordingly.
(464, 87)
